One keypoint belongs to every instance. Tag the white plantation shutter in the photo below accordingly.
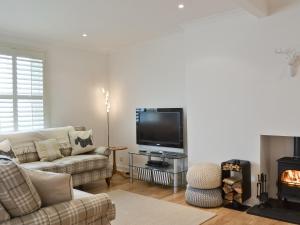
(6, 115)
(21, 93)
(30, 114)
(29, 77)
(6, 93)
(6, 75)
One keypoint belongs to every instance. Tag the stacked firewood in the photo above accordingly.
(231, 167)
(232, 188)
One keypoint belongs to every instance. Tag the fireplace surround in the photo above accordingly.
(281, 162)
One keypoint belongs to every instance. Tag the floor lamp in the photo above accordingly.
(107, 106)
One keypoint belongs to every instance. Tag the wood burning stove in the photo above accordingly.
(289, 175)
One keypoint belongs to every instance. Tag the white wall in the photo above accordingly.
(150, 74)
(72, 77)
(237, 87)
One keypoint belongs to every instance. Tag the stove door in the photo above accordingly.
(288, 181)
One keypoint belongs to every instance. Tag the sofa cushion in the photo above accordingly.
(61, 134)
(25, 152)
(81, 141)
(65, 151)
(23, 142)
(17, 193)
(6, 149)
(22, 145)
(48, 150)
(53, 188)
(71, 164)
(3, 214)
(81, 163)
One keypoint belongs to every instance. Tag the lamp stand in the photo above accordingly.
(107, 120)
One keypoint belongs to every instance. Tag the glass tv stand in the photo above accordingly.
(172, 174)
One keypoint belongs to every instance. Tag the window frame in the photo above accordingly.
(15, 52)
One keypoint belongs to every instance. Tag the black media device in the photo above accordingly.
(161, 127)
(158, 163)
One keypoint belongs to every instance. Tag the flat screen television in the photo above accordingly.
(161, 127)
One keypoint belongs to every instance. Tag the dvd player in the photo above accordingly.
(157, 163)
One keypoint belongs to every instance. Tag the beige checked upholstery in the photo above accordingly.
(3, 214)
(71, 164)
(17, 193)
(81, 163)
(91, 176)
(94, 210)
(26, 152)
(85, 168)
(86, 209)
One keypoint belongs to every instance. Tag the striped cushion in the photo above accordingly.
(3, 214)
(26, 152)
(204, 198)
(65, 151)
(204, 176)
(17, 193)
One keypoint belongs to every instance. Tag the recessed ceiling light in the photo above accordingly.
(181, 6)
(84, 35)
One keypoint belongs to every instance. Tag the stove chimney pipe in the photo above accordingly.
(297, 147)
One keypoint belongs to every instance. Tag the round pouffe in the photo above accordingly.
(204, 176)
(204, 198)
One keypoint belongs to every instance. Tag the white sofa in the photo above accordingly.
(84, 168)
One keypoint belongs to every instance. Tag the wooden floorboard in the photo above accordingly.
(224, 216)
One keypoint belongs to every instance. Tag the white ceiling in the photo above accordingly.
(110, 24)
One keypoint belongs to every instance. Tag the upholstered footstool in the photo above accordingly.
(203, 190)
(209, 198)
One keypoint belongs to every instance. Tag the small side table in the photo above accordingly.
(114, 149)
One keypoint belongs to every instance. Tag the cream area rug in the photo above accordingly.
(134, 209)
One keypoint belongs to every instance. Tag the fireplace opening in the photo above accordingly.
(286, 207)
(291, 177)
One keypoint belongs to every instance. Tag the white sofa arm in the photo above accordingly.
(101, 150)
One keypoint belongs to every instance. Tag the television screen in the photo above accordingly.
(160, 127)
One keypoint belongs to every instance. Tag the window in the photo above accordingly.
(21, 92)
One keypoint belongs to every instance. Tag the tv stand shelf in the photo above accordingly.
(174, 174)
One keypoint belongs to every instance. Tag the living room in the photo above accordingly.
(230, 68)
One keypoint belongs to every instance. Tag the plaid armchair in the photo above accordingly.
(94, 210)
(21, 204)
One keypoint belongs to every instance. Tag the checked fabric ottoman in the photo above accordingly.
(203, 190)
